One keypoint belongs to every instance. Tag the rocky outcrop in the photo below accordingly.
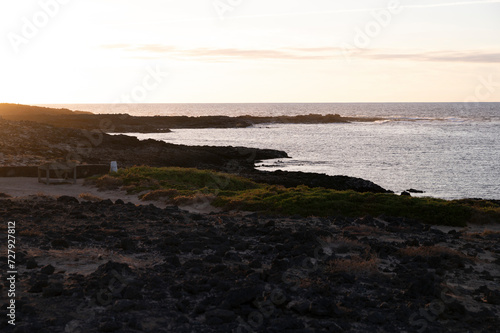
(295, 178)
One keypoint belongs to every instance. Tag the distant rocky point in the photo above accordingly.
(124, 123)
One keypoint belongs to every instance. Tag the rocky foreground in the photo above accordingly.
(116, 267)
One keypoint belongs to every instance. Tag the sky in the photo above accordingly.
(249, 51)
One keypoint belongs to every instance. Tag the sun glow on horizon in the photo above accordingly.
(255, 51)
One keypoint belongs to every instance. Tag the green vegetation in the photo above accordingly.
(233, 192)
(186, 181)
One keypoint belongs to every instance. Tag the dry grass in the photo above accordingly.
(89, 197)
(30, 233)
(356, 265)
(341, 244)
(196, 199)
(431, 251)
(487, 233)
(160, 194)
(40, 196)
(128, 188)
(313, 282)
(484, 234)
(364, 231)
(107, 182)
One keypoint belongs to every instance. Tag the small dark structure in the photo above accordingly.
(56, 173)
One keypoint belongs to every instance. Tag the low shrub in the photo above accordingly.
(108, 182)
(89, 197)
(160, 194)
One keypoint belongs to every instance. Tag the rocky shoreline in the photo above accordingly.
(26, 143)
(117, 267)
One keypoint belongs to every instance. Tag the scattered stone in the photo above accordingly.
(60, 243)
(31, 263)
(47, 269)
(67, 200)
(219, 316)
(52, 290)
(109, 326)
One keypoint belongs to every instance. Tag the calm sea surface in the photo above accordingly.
(449, 150)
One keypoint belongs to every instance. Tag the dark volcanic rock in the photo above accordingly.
(52, 290)
(292, 179)
(412, 190)
(218, 316)
(250, 273)
(67, 199)
(60, 243)
(48, 269)
(31, 263)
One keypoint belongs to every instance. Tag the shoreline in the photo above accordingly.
(32, 143)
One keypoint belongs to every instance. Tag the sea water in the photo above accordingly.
(448, 150)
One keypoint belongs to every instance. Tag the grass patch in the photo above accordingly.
(355, 265)
(90, 197)
(138, 179)
(432, 251)
(324, 202)
(185, 185)
(159, 195)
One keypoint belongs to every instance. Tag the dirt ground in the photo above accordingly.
(24, 186)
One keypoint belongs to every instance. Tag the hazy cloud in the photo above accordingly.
(442, 56)
(225, 54)
(447, 4)
(313, 53)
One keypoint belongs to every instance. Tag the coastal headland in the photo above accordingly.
(33, 135)
(124, 123)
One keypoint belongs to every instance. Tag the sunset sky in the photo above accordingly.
(100, 51)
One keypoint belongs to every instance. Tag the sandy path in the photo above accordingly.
(24, 186)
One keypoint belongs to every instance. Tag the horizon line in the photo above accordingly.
(108, 103)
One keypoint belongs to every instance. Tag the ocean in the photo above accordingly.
(448, 150)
